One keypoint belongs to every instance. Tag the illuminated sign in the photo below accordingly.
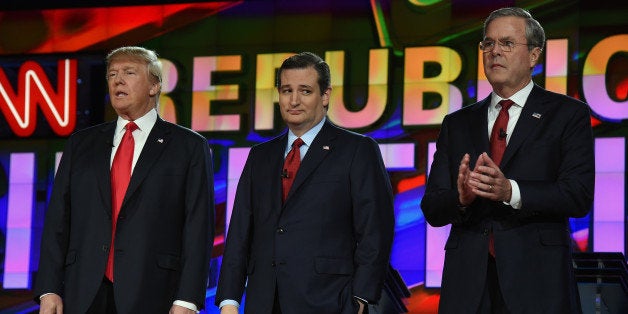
(35, 90)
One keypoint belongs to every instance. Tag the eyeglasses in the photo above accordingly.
(506, 46)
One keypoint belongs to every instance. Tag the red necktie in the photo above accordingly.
(120, 177)
(290, 167)
(498, 134)
(498, 146)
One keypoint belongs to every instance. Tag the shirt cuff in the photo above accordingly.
(515, 195)
(187, 305)
(361, 300)
(45, 294)
(229, 302)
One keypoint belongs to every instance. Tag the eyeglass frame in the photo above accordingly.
(505, 46)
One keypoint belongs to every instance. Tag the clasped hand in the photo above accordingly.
(485, 180)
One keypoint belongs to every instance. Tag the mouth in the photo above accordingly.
(496, 65)
(120, 94)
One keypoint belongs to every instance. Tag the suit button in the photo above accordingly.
(105, 248)
(281, 230)
(485, 232)
(273, 264)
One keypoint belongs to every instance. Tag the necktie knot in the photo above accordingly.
(131, 126)
(297, 143)
(506, 104)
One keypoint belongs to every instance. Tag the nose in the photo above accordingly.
(294, 99)
(497, 49)
(117, 79)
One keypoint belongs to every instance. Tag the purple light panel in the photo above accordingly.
(395, 156)
(435, 239)
(609, 234)
(19, 218)
(237, 159)
(398, 156)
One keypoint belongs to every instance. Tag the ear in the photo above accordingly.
(535, 54)
(154, 89)
(325, 97)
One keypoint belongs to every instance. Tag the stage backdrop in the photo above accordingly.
(398, 67)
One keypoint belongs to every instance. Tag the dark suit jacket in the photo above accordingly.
(331, 240)
(165, 227)
(550, 155)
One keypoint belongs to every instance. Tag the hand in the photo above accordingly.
(229, 309)
(465, 192)
(51, 304)
(488, 181)
(361, 308)
(177, 309)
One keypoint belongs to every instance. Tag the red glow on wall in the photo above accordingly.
(71, 30)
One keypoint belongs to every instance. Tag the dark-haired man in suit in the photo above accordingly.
(507, 174)
(130, 222)
(316, 237)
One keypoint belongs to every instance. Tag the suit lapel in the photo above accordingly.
(155, 143)
(102, 154)
(531, 115)
(321, 148)
(478, 126)
(275, 166)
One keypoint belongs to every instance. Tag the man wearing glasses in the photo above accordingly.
(507, 174)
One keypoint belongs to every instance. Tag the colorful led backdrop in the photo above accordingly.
(397, 68)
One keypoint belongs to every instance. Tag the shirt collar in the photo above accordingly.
(519, 97)
(144, 123)
(309, 136)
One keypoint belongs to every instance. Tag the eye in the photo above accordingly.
(129, 72)
(285, 91)
(306, 92)
(487, 45)
(111, 75)
(509, 43)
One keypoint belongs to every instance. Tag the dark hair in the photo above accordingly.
(304, 60)
(535, 35)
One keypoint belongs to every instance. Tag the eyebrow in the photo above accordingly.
(501, 38)
(300, 86)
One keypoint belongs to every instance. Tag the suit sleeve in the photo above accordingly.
(56, 233)
(570, 194)
(373, 219)
(440, 200)
(235, 257)
(198, 231)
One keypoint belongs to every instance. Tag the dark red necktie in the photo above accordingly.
(290, 167)
(498, 146)
(498, 134)
(120, 177)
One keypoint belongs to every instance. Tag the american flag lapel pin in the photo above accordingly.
(161, 140)
(536, 115)
(325, 147)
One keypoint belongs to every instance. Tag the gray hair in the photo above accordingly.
(535, 35)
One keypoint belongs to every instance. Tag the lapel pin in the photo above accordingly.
(536, 115)
(161, 140)
(325, 147)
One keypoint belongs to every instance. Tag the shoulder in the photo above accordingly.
(96, 131)
(271, 144)
(563, 102)
(180, 131)
(465, 113)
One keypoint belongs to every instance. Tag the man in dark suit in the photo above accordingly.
(509, 249)
(325, 248)
(150, 252)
